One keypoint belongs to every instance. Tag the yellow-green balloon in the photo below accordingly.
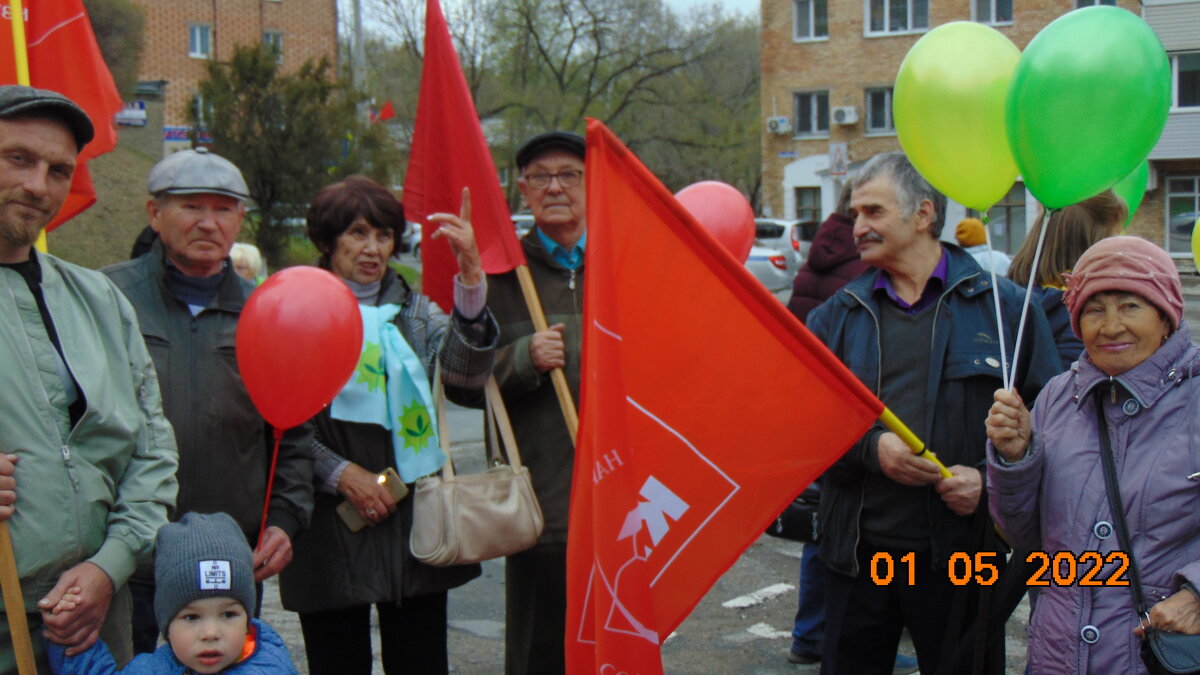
(948, 105)
(1087, 102)
(1196, 244)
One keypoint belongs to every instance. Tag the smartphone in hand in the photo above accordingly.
(387, 478)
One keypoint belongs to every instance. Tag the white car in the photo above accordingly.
(790, 237)
(770, 267)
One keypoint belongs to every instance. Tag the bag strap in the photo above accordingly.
(1113, 487)
(496, 405)
(439, 399)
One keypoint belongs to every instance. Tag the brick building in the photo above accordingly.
(828, 67)
(182, 35)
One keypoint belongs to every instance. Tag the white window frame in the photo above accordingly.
(890, 127)
(816, 96)
(990, 19)
(887, 12)
(812, 20)
(1194, 193)
(195, 32)
(1080, 4)
(274, 38)
(1175, 83)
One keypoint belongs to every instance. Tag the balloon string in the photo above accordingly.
(987, 236)
(262, 528)
(1043, 223)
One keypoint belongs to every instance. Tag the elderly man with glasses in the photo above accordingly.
(551, 168)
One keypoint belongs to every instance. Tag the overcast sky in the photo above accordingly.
(747, 7)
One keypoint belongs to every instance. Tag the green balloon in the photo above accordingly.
(1132, 188)
(1087, 102)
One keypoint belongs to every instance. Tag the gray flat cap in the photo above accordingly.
(552, 140)
(20, 101)
(198, 171)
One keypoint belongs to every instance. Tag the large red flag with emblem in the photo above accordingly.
(449, 152)
(706, 407)
(64, 56)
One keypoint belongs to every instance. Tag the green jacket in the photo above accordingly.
(224, 444)
(97, 492)
(537, 419)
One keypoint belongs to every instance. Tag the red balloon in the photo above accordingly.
(298, 342)
(724, 212)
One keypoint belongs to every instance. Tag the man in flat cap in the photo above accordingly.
(188, 299)
(551, 166)
(87, 459)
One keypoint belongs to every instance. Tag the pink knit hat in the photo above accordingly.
(1129, 264)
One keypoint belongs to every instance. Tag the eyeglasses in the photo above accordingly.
(541, 181)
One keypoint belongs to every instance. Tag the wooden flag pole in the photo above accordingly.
(557, 377)
(10, 581)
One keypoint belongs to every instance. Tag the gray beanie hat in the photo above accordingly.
(201, 556)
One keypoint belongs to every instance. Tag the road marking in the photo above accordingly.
(765, 630)
(751, 599)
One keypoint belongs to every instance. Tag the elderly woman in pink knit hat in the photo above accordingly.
(1050, 491)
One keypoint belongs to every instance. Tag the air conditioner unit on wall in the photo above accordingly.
(779, 125)
(846, 114)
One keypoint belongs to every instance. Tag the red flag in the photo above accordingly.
(64, 56)
(449, 153)
(683, 457)
(385, 114)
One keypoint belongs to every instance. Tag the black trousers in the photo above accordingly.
(535, 610)
(864, 620)
(412, 636)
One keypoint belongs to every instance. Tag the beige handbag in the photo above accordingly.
(460, 519)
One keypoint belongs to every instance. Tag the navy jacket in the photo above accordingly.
(965, 357)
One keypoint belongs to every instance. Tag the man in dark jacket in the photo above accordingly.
(551, 182)
(188, 299)
(921, 332)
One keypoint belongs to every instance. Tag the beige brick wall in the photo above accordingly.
(309, 29)
(848, 62)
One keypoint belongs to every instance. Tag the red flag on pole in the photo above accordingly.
(64, 56)
(385, 113)
(448, 153)
(680, 462)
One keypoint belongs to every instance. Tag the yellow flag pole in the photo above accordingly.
(910, 439)
(557, 377)
(10, 580)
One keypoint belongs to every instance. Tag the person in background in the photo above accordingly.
(1071, 231)
(972, 236)
(339, 573)
(87, 458)
(248, 262)
(188, 300)
(920, 331)
(832, 262)
(1137, 384)
(552, 183)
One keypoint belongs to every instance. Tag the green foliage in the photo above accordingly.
(118, 25)
(290, 134)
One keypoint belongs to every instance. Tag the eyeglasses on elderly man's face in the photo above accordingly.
(541, 181)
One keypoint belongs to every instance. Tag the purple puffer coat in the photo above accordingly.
(1054, 500)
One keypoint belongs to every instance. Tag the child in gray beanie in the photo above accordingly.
(203, 601)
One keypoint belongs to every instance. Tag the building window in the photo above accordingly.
(274, 40)
(812, 113)
(879, 111)
(808, 203)
(1185, 70)
(993, 11)
(1079, 4)
(810, 18)
(200, 41)
(1183, 208)
(896, 16)
(1006, 220)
